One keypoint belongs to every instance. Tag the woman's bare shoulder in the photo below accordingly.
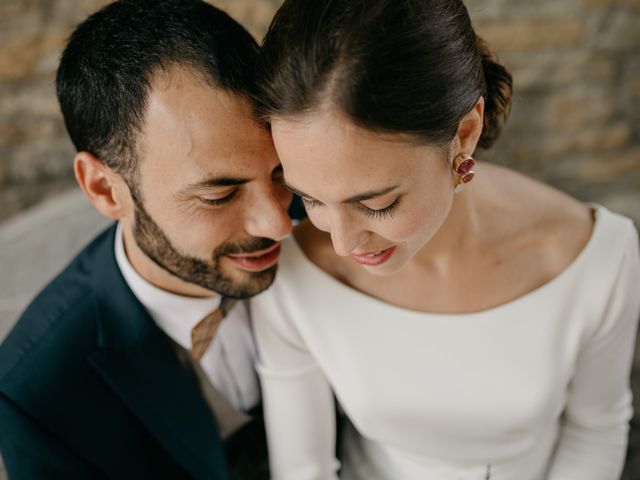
(559, 224)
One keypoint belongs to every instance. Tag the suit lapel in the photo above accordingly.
(139, 363)
(152, 383)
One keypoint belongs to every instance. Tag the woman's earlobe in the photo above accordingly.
(97, 181)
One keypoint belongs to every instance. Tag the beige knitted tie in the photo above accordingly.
(204, 332)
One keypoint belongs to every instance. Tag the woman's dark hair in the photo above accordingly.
(400, 66)
(106, 70)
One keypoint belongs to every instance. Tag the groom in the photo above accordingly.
(137, 360)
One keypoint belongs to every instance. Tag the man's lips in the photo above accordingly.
(374, 258)
(257, 261)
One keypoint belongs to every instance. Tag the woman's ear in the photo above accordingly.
(100, 184)
(470, 129)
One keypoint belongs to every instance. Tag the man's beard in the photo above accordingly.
(155, 244)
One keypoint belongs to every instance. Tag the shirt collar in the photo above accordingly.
(175, 314)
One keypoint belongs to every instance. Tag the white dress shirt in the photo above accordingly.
(229, 361)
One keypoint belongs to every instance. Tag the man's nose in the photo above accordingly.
(268, 216)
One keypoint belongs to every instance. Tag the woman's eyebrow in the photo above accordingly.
(360, 197)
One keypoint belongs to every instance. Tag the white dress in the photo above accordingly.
(537, 388)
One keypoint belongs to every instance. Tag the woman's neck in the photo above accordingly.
(460, 231)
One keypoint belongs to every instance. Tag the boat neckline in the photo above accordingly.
(598, 213)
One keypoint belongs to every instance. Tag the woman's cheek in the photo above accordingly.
(415, 222)
(318, 220)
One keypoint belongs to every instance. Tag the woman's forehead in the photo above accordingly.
(334, 137)
(327, 163)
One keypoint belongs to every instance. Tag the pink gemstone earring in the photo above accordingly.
(463, 170)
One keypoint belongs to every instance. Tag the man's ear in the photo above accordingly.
(101, 185)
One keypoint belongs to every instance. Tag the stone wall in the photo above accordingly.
(35, 153)
(575, 121)
(576, 115)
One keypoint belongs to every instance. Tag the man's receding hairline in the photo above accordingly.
(161, 77)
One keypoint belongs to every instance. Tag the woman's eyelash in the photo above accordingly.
(381, 214)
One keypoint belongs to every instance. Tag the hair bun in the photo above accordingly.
(497, 97)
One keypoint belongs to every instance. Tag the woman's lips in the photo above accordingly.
(374, 258)
(257, 261)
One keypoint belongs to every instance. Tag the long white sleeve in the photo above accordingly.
(534, 389)
(298, 403)
(594, 431)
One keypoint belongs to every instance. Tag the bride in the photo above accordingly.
(472, 323)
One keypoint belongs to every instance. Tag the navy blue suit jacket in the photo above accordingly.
(90, 388)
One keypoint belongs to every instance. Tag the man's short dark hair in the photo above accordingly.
(105, 73)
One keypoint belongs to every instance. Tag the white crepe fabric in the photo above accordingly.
(534, 389)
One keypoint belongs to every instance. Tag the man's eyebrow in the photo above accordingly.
(360, 197)
(219, 182)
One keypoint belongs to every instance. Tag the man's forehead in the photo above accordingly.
(196, 119)
(178, 87)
